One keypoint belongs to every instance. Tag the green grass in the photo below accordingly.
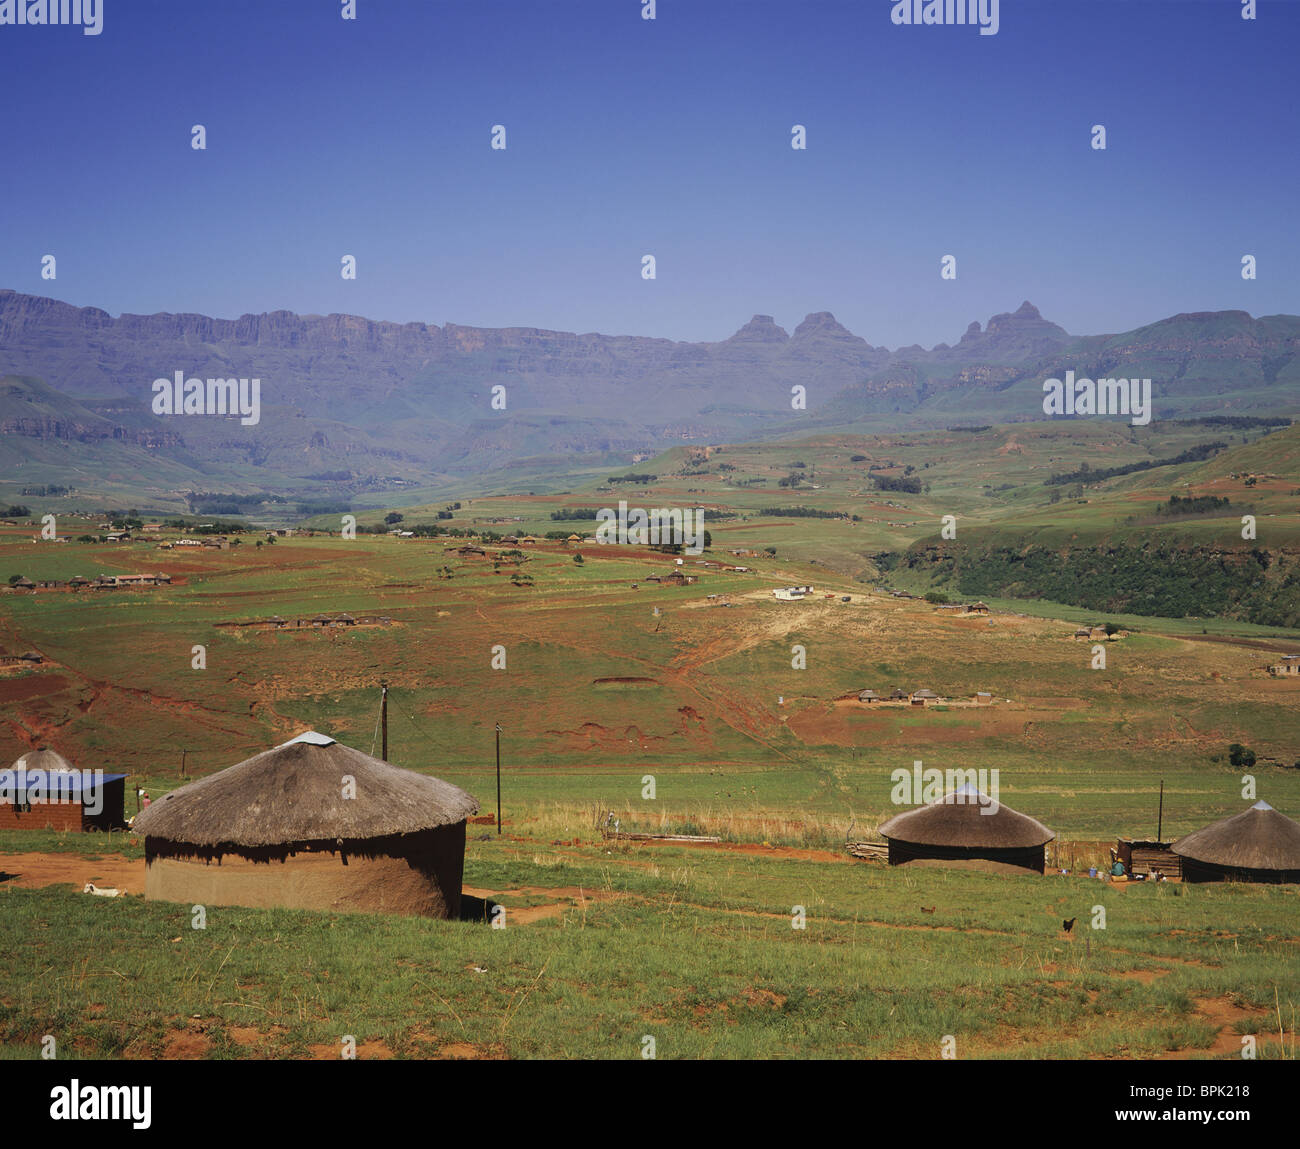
(693, 948)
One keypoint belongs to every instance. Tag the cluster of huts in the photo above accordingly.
(965, 826)
(99, 582)
(1095, 634)
(315, 824)
(923, 697)
(672, 578)
(28, 658)
(211, 542)
(315, 622)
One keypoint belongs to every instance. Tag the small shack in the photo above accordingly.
(41, 791)
(1146, 857)
(311, 824)
(1257, 845)
(967, 829)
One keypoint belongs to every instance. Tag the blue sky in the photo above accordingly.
(669, 137)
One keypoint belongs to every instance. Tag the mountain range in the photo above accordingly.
(350, 403)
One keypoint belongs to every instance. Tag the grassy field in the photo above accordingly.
(695, 949)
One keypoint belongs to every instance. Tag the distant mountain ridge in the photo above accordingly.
(413, 400)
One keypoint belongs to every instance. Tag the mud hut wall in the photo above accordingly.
(1027, 857)
(417, 874)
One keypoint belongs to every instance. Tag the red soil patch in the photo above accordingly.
(366, 1051)
(1224, 1013)
(19, 689)
(187, 1045)
(523, 915)
(32, 871)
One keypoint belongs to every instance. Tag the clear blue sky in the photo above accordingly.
(671, 137)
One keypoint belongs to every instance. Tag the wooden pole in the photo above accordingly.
(498, 777)
(183, 753)
(1160, 818)
(383, 718)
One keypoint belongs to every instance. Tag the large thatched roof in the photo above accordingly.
(1256, 839)
(294, 793)
(35, 761)
(957, 819)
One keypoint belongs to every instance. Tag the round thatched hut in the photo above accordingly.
(312, 824)
(43, 761)
(965, 828)
(1257, 845)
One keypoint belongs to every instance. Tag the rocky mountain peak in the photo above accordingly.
(760, 329)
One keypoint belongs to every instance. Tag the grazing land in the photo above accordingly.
(679, 708)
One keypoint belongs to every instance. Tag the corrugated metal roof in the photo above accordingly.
(48, 782)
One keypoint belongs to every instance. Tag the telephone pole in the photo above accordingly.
(498, 777)
(383, 717)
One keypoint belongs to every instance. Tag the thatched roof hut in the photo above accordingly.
(43, 760)
(966, 826)
(1257, 845)
(312, 824)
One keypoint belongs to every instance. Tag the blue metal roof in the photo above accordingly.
(14, 782)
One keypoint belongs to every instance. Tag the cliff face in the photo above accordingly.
(34, 411)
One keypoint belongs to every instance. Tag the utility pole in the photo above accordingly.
(1160, 818)
(183, 753)
(498, 777)
(383, 718)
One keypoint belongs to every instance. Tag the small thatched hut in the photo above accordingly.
(311, 824)
(43, 760)
(959, 830)
(1257, 845)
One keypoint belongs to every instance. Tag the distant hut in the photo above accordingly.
(898, 694)
(958, 829)
(924, 697)
(1257, 845)
(978, 608)
(868, 696)
(43, 760)
(42, 790)
(278, 830)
